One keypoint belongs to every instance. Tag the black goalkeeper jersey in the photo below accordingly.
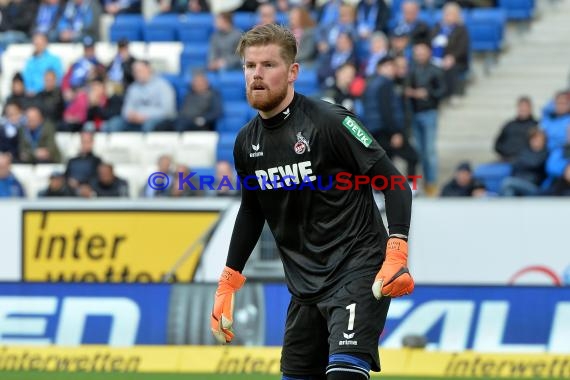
(326, 236)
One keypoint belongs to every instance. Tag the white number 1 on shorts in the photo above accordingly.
(352, 309)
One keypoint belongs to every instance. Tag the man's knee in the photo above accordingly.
(348, 367)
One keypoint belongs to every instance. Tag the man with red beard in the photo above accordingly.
(341, 266)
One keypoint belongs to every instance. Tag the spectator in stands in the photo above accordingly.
(202, 106)
(56, 187)
(183, 6)
(328, 63)
(80, 19)
(50, 99)
(16, 19)
(115, 7)
(557, 124)
(400, 45)
(450, 43)
(81, 71)
(18, 92)
(463, 184)
(410, 24)
(266, 14)
(120, 70)
(426, 87)
(180, 188)
(47, 18)
(225, 185)
(222, 50)
(91, 97)
(83, 167)
(37, 140)
(164, 165)
(513, 138)
(37, 65)
(86, 191)
(378, 50)
(384, 114)
(329, 12)
(107, 184)
(328, 34)
(150, 100)
(10, 187)
(528, 167)
(561, 185)
(371, 16)
(400, 84)
(11, 128)
(304, 28)
(346, 89)
(103, 105)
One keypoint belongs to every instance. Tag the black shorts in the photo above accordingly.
(354, 318)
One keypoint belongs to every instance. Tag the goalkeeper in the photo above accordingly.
(341, 266)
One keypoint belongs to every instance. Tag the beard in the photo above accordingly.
(266, 100)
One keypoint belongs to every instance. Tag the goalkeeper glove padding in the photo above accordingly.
(394, 278)
(222, 313)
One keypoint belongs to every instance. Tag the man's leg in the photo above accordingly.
(305, 345)
(355, 321)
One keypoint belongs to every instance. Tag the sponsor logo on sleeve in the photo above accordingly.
(357, 131)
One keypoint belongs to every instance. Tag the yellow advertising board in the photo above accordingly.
(265, 360)
(113, 245)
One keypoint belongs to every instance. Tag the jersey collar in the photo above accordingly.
(281, 117)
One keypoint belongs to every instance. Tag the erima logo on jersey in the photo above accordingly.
(357, 131)
(348, 340)
(285, 175)
(286, 113)
(255, 151)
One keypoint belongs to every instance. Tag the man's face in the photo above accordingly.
(422, 54)
(106, 175)
(50, 81)
(267, 76)
(86, 142)
(410, 11)
(141, 72)
(562, 105)
(34, 118)
(13, 113)
(40, 43)
(463, 177)
(524, 110)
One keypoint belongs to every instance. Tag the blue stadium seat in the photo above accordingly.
(232, 85)
(518, 9)
(492, 174)
(495, 16)
(307, 82)
(129, 26)
(244, 20)
(179, 85)
(163, 27)
(236, 115)
(190, 33)
(194, 56)
(225, 147)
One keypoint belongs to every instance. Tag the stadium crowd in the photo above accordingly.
(382, 60)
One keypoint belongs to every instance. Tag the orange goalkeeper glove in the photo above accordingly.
(223, 311)
(394, 279)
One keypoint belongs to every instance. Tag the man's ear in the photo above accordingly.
(293, 72)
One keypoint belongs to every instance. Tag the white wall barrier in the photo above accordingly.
(452, 241)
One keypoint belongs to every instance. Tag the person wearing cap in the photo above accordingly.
(80, 18)
(120, 70)
(462, 184)
(56, 187)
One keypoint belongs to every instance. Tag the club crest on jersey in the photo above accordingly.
(302, 144)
